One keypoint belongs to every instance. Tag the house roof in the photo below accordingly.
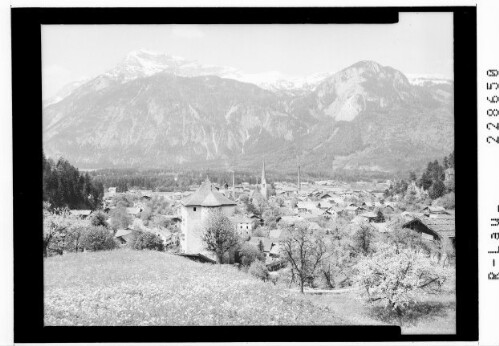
(369, 215)
(198, 257)
(167, 234)
(254, 216)
(291, 219)
(313, 226)
(122, 232)
(240, 219)
(443, 226)
(133, 211)
(80, 212)
(207, 196)
(307, 205)
(435, 209)
(173, 217)
(275, 250)
(353, 208)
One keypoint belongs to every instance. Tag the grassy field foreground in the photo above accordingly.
(125, 287)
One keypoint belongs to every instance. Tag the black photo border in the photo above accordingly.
(27, 172)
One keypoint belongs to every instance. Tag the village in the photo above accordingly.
(351, 249)
(261, 213)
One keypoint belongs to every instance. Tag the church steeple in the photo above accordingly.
(263, 185)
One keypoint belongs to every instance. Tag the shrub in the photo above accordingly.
(98, 219)
(437, 189)
(99, 238)
(259, 270)
(146, 215)
(259, 231)
(363, 239)
(274, 277)
(447, 201)
(149, 241)
(249, 253)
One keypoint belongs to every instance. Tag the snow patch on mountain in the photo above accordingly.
(428, 79)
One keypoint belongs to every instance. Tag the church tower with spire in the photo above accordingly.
(263, 185)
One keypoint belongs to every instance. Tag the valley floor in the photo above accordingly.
(135, 288)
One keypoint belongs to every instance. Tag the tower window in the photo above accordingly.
(194, 208)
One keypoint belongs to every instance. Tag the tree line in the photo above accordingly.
(168, 181)
(65, 187)
(431, 180)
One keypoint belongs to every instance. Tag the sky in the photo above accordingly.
(420, 44)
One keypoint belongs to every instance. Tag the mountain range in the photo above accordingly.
(155, 110)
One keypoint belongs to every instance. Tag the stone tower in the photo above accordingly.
(195, 212)
(263, 185)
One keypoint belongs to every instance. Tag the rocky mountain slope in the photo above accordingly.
(158, 111)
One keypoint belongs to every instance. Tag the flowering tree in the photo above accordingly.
(55, 230)
(336, 267)
(99, 238)
(219, 234)
(259, 270)
(399, 279)
(75, 236)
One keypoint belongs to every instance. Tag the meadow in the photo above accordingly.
(139, 288)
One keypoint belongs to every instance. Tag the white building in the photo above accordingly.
(195, 210)
(243, 226)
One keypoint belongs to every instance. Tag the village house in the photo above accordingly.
(434, 228)
(256, 219)
(353, 210)
(330, 213)
(262, 243)
(174, 220)
(368, 205)
(369, 216)
(195, 211)
(291, 220)
(123, 236)
(306, 206)
(326, 204)
(243, 226)
(134, 211)
(387, 208)
(82, 214)
(433, 211)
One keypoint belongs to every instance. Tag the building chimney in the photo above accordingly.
(233, 186)
(299, 183)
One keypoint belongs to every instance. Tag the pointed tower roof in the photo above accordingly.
(263, 181)
(206, 196)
